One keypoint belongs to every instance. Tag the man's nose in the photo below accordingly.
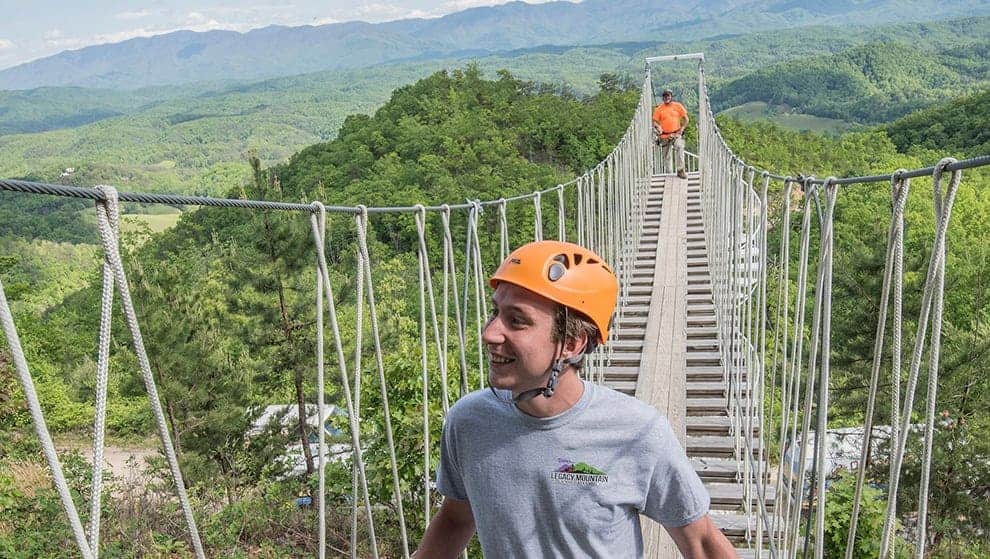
(492, 333)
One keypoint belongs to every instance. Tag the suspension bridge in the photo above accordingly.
(692, 334)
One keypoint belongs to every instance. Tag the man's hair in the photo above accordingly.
(568, 324)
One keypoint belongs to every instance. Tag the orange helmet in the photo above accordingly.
(565, 273)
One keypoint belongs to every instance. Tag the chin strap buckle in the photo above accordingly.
(551, 387)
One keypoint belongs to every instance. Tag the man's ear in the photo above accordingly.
(575, 346)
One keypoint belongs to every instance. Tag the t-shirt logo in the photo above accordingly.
(581, 473)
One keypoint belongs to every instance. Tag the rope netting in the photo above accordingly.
(780, 381)
(602, 209)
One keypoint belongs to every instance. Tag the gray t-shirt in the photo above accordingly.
(572, 485)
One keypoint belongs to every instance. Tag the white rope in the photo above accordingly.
(358, 459)
(896, 367)
(780, 344)
(503, 232)
(480, 302)
(760, 387)
(111, 249)
(425, 257)
(892, 269)
(931, 311)
(943, 211)
(321, 214)
(102, 377)
(561, 225)
(358, 370)
(41, 428)
(537, 216)
(792, 522)
(825, 262)
(361, 220)
(459, 318)
(581, 217)
(424, 363)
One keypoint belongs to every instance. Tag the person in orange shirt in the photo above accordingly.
(669, 120)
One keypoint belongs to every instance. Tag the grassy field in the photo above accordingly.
(784, 117)
(155, 223)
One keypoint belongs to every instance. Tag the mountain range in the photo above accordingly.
(185, 57)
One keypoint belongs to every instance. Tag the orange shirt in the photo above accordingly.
(668, 116)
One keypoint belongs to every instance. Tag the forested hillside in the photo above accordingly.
(873, 83)
(961, 126)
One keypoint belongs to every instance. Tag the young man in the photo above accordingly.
(544, 464)
(669, 120)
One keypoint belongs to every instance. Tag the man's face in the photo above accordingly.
(667, 98)
(519, 338)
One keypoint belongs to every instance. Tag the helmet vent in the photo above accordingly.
(592, 261)
(577, 259)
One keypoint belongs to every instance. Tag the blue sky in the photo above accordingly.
(35, 29)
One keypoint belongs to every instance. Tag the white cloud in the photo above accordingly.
(126, 16)
(377, 11)
(458, 5)
(320, 21)
(452, 6)
(5, 44)
(55, 39)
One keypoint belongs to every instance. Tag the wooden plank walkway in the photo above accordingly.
(668, 354)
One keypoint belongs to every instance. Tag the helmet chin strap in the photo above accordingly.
(551, 387)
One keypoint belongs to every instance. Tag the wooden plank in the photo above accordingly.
(662, 378)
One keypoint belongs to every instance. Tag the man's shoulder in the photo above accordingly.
(475, 404)
(634, 410)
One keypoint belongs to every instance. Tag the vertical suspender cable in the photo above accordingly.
(361, 220)
(111, 248)
(420, 218)
(503, 232)
(321, 216)
(537, 216)
(831, 192)
(102, 377)
(943, 211)
(41, 428)
(424, 363)
(892, 267)
(358, 457)
(932, 297)
(462, 349)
